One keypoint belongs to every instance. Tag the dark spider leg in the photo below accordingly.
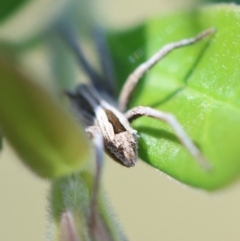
(105, 60)
(68, 35)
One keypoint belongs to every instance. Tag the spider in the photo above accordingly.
(107, 123)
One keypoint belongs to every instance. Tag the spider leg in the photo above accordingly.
(134, 77)
(105, 60)
(170, 119)
(68, 34)
(97, 138)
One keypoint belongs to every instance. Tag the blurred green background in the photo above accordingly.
(149, 205)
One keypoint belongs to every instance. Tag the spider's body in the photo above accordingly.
(120, 139)
(100, 116)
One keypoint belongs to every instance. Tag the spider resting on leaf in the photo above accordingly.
(108, 125)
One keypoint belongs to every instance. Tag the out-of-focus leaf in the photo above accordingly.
(221, 1)
(199, 84)
(8, 8)
(39, 17)
(1, 140)
(42, 133)
(35, 19)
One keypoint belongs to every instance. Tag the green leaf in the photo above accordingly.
(1, 140)
(76, 14)
(47, 139)
(199, 84)
(9, 7)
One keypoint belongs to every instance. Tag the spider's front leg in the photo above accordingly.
(95, 135)
(170, 119)
(137, 74)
